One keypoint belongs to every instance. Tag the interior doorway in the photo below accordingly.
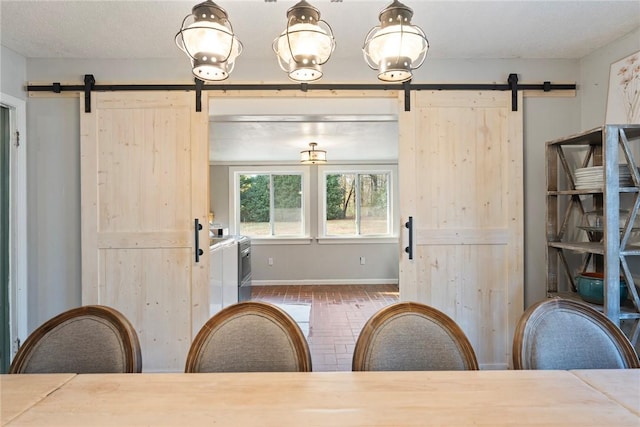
(267, 129)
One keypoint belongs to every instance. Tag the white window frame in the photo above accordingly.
(234, 201)
(325, 170)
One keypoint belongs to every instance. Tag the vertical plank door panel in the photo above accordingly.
(144, 180)
(461, 180)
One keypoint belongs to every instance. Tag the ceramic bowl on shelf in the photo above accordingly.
(591, 287)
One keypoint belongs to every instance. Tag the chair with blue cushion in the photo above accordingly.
(251, 336)
(560, 333)
(409, 336)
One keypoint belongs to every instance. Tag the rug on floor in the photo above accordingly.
(300, 313)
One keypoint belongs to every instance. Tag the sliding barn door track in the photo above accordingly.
(198, 86)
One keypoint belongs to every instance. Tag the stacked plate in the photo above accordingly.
(593, 177)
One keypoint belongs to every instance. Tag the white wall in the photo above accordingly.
(594, 78)
(13, 73)
(53, 200)
(54, 187)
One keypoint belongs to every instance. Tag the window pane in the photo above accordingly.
(287, 195)
(254, 205)
(340, 204)
(374, 204)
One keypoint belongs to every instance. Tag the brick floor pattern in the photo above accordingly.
(338, 313)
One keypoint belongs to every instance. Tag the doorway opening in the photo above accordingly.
(259, 131)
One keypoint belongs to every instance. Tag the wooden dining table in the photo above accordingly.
(20, 392)
(464, 398)
(615, 383)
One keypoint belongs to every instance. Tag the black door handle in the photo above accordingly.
(409, 249)
(197, 228)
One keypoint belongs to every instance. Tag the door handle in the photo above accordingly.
(409, 249)
(197, 228)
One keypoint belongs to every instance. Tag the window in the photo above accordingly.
(356, 203)
(271, 202)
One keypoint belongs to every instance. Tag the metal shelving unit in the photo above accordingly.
(573, 248)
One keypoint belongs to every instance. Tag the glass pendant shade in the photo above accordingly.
(313, 156)
(396, 47)
(305, 44)
(208, 40)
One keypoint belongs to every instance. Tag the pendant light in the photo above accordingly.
(313, 156)
(305, 44)
(207, 37)
(396, 47)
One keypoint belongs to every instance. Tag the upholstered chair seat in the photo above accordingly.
(89, 339)
(250, 336)
(410, 336)
(565, 334)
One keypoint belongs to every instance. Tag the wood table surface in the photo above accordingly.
(621, 385)
(341, 399)
(20, 392)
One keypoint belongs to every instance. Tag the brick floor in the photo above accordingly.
(338, 313)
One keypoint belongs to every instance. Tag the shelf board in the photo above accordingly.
(594, 136)
(627, 310)
(590, 191)
(586, 247)
(593, 247)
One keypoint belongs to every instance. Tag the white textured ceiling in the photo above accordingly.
(456, 29)
(270, 129)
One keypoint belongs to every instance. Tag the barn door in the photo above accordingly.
(144, 167)
(461, 182)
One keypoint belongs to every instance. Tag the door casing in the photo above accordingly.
(17, 295)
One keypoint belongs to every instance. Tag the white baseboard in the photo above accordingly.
(324, 282)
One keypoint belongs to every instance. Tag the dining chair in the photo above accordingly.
(250, 336)
(410, 336)
(559, 333)
(87, 339)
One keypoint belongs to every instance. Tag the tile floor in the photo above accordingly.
(338, 313)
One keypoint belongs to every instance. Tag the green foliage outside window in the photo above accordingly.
(289, 191)
(336, 195)
(271, 204)
(357, 204)
(254, 198)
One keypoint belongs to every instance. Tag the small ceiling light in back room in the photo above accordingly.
(207, 37)
(305, 44)
(396, 47)
(313, 156)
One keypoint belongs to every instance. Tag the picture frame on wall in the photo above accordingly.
(623, 100)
